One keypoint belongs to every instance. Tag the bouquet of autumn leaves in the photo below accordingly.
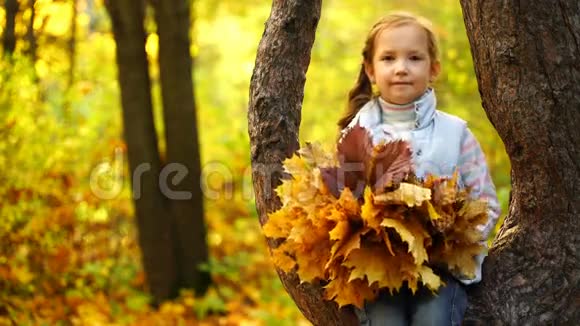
(359, 221)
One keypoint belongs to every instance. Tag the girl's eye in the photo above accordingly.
(387, 58)
(416, 58)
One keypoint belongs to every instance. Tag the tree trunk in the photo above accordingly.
(155, 238)
(9, 37)
(276, 94)
(72, 42)
(179, 114)
(527, 61)
(30, 35)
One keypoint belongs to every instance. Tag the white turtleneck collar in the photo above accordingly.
(420, 112)
(416, 115)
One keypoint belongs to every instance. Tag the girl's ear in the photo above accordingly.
(435, 70)
(370, 72)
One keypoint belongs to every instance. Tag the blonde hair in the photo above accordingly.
(362, 91)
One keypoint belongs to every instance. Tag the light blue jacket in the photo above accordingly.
(436, 138)
(437, 142)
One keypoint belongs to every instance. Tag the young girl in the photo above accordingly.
(400, 59)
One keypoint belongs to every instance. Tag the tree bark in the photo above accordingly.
(527, 62)
(9, 37)
(155, 238)
(175, 63)
(276, 94)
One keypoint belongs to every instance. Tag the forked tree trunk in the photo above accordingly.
(527, 61)
(276, 94)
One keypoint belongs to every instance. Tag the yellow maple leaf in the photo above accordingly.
(319, 214)
(371, 214)
(408, 193)
(344, 247)
(387, 241)
(474, 211)
(429, 278)
(465, 232)
(340, 231)
(375, 264)
(348, 202)
(280, 222)
(459, 257)
(315, 154)
(413, 233)
(462, 258)
(303, 191)
(284, 191)
(312, 260)
(433, 215)
(296, 165)
(281, 259)
(300, 231)
(337, 215)
(344, 292)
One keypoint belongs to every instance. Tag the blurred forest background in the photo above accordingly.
(68, 248)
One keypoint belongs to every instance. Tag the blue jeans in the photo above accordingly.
(446, 308)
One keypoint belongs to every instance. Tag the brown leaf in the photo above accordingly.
(356, 147)
(347, 175)
(354, 152)
(392, 163)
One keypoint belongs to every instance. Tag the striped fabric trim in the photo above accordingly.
(475, 175)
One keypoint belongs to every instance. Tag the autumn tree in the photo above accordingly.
(168, 199)
(527, 66)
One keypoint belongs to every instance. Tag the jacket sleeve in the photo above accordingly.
(475, 175)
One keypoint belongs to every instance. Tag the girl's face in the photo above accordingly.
(401, 66)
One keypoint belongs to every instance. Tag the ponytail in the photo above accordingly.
(358, 96)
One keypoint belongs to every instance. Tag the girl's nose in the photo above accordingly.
(401, 67)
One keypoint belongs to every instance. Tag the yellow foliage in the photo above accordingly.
(412, 233)
(409, 194)
(370, 214)
(281, 258)
(345, 292)
(348, 204)
(384, 240)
